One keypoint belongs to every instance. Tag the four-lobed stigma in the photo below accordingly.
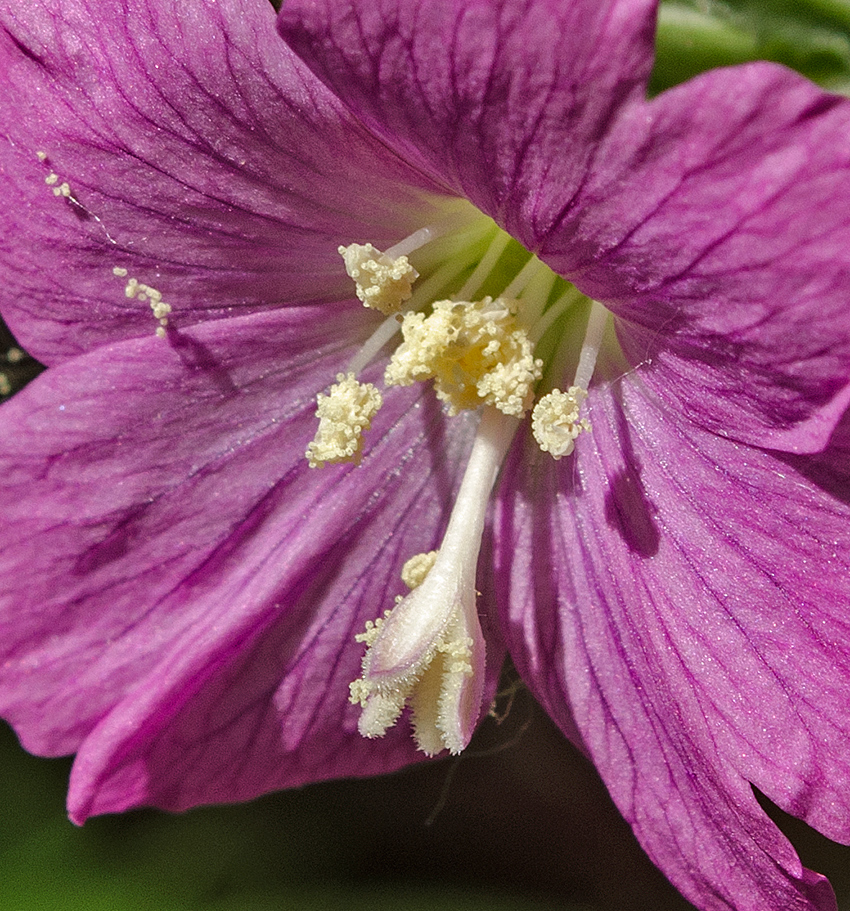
(473, 315)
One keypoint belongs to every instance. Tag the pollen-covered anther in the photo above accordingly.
(556, 422)
(476, 352)
(415, 570)
(383, 282)
(344, 414)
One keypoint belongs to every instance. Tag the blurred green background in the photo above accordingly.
(812, 36)
(520, 821)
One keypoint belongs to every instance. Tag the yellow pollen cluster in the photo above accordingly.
(417, 567)
(477, 353)
(383, 283)
(344, 413)
(136, 290)
(555, 421)
(434, 699)
(59, 189)
(370, 633)
(14, 355)
(52, 180)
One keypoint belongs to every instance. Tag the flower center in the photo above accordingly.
(483, 319)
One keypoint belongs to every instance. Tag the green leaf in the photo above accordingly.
(810, 36)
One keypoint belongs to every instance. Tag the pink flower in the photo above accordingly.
(184, 595)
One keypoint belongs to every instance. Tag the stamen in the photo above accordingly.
(535, 295)
(476, 353)
(596, 322)
(428, 651)
(561, 305)
(388, 328)
(454, 221)
(382, 282)
(485, 266)
(555, 421)
(523, 277)
(428, 289)
(344, 414)
(415, 570)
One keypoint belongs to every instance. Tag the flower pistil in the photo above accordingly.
(473, 324)
(428, 651)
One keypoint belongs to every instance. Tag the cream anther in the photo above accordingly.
(383, 282)
(344, 414)
(415, 570)
(477, 353)
(555, 421)
(428, 652)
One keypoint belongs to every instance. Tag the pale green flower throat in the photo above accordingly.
(484, 320)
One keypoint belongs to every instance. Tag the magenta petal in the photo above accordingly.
(110, 463)
(682, 600)
(200, 155)
(716, 224)
(182, 591)
(452, 86)
(714, 220)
